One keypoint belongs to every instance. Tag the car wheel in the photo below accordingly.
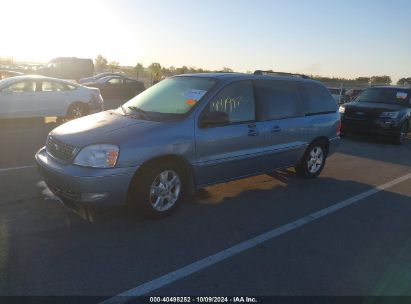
(402, 135)
(157, 190)
(77, 110)
(313, 161)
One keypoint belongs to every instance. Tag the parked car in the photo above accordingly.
(38, 96)
(117, 87)
(100, 75)
(188, 132)
(381, 110)
(337, 94)
(7, 73)
(68, 68)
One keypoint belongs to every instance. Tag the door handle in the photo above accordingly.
(275, 129)
(253, 132)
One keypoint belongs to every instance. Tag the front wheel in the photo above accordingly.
(157, 190)
(313, 161)
(402, 135)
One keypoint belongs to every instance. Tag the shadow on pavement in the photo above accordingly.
(118, 244)
(377, 149)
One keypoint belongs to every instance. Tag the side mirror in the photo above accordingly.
(210, 119)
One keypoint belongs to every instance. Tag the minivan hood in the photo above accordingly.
(378, 106)
(98, 128)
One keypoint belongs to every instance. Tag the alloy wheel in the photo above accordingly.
(315, 160)
(77, 111)
(165, 190)
(403, 132)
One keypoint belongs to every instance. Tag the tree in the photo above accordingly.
(155, 71)
(365, 80)
(139, 69)
(380, 80)
(182, 70)
(404, 81)
(227, 70)
(100, 63)
(113, 65)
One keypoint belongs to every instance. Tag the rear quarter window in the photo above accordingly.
(279, 99)
(70, 87)
(318, 99)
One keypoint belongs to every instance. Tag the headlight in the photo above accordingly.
(97, 156)
(341, 110)
(390, 114)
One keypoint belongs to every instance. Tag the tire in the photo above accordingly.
(402, 134)
(157, 190)
(313, 160)
(77, 110)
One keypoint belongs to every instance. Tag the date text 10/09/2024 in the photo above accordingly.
(203, 300)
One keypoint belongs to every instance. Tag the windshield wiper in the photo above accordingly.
(140, 111)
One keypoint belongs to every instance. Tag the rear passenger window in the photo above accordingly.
(115, 81)
(21, 87)
(318, 99)
(50, 86)
(237, 100)
(279, 99)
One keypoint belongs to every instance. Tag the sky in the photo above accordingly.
(340, 38)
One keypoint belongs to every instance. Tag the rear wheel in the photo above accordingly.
(157, 190)
(77, 110)
(313, 161)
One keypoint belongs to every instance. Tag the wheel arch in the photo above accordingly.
(180, 161)
(324, 140)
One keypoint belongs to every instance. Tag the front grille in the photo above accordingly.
(360, 114)
(59, 150)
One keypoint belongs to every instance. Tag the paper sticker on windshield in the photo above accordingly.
(402, 95)
(191, 102)
(193, 94)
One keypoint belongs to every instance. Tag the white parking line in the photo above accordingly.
(236, 249)
(16, 168)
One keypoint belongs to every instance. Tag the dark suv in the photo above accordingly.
(383, 110)
(188, 132)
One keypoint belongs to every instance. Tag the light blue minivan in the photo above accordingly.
(188, 132)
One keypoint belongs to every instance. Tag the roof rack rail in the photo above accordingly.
(270, 72)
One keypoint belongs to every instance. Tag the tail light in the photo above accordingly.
(339, 127)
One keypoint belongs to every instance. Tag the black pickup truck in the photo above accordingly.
(382, 110)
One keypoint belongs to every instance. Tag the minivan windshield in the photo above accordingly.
(384, 95)
(170, 98)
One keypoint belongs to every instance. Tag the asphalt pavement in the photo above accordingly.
(363, 248)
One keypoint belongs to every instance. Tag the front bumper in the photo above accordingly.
(378, 126)
(79, 185)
